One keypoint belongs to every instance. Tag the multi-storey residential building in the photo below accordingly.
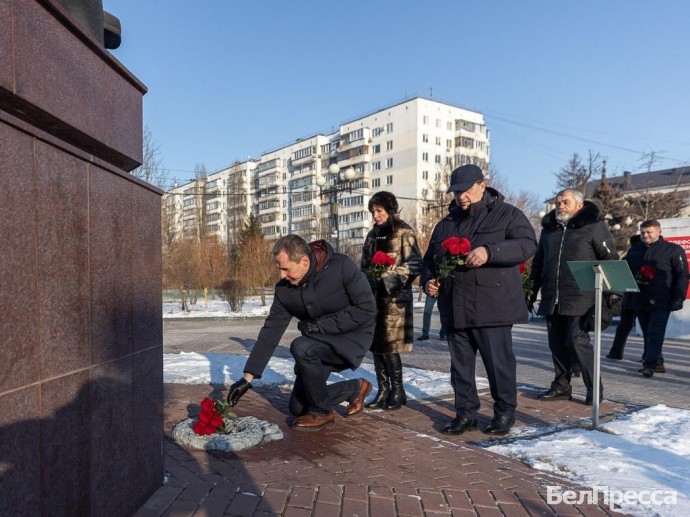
(216, 206)
(319, 187)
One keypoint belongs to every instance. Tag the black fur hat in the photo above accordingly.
(386, 200)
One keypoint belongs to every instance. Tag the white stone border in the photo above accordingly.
(246, 432)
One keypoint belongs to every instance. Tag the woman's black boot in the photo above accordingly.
(397, 397)
(383, 382)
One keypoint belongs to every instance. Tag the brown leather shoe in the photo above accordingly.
(311, 422)
(357, 406)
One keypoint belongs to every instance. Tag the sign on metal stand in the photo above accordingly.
(608, 276)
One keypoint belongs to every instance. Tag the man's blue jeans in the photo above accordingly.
(426, 317)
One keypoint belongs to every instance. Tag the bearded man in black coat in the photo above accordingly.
(574, 230)
(336, 309)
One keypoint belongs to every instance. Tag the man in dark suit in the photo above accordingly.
(333, 301)
(482, 298)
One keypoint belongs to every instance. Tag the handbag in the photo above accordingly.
(611, 306)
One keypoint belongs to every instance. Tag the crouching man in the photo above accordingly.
(331, 298)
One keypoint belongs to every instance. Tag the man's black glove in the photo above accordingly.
(677, 305)
(308, 327)
(236, 391)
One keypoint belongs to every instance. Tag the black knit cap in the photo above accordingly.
(386, 200)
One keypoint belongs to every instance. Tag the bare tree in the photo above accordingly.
(151, 170)
(576, 174)
(255, 267)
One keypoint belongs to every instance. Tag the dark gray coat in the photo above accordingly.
(586, 236)
(335, 295)
(491, 295)
(670, 280)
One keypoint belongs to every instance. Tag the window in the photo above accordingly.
(449, 144)
(438, 140)
(377, 148)
(437, 158)
(425, 157)
(449, 126)
(376, 131)
(376, 166)
(438, 122)
(425, 119)
(389, 127)
(376, 183)
(425, 138)
(389, 145)
(389, 163)
(389, 180)
(425, 175)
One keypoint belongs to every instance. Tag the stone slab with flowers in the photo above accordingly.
(219, 429)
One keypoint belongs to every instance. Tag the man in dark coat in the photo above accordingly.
(332, 299)
(574, 230)
(482, 298)
(661, 271)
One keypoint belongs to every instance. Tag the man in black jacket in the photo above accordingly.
(661, 271)
(332, 299)
(574, 230)
(481, 299)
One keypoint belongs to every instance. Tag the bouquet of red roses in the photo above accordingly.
(380, 262)
(645, 274)
(456, 249)
(527, 284)
(212, 417)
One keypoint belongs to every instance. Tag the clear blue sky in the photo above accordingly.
(229, 79)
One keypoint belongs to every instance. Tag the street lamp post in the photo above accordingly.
(343, 182)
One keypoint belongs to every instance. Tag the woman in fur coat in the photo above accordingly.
(393, 291)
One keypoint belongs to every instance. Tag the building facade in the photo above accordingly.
(319, 187)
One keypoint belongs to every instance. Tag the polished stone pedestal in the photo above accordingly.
(80, 318)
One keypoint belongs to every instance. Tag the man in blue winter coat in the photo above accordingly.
(482, 298)
(336, 309)
(661, 270)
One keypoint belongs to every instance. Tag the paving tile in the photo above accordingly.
(243, 505)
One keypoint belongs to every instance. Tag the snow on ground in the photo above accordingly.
(640, 462)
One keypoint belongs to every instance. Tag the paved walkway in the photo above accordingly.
(384, 463)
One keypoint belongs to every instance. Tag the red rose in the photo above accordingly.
(216, 420)
(456, 246)
(648, 271)
(522, 267)
(382, 259)
(465, 246)
(208, 405)
(201, 428)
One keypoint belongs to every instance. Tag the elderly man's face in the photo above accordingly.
(291, 271)
(567, 206)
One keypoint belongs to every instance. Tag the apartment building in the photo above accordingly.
(319, 186)
(216, 206)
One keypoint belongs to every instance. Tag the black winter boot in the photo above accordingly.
(383, 382)
(397, 397)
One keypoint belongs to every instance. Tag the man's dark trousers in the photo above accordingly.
(314, 362)
(653, 325)
(625, 326)
(495, 344)
(566, 336)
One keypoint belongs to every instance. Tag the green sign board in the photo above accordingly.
(616, 275)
